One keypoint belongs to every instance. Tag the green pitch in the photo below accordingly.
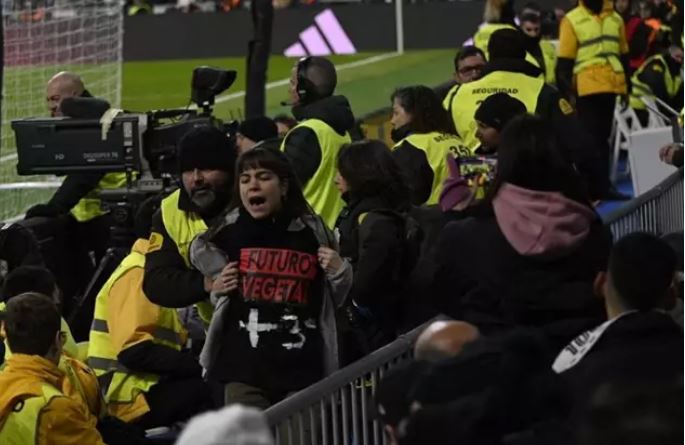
(166, 84)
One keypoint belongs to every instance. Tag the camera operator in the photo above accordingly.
(206, 164)
(324, 126)
(78, 194)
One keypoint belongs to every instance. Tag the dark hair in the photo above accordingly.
(528, 157)
(31, 323)
(322, 75)
(530, 17)
(370, 170)
(28, 279)
(507, 43)
(641, 270)
(295, 204)
(427, 113)
(467, 51)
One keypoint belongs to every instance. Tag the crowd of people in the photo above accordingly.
(295, 247)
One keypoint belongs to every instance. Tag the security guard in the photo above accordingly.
(206, 164)
(593, 60)
(78, 194)
(508, 72)
(543, 51)
(468, 66)
(136, 347)
(33, 408)
(324, 126)
(424, 139)
(661, 77)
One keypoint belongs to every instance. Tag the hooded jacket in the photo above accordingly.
(62, 421)
(528, 258)
(301, 144)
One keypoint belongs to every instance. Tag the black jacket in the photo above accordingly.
(482, 279)
(415, 167)
(375, 248)
(575, 142)
(642, 346)
(168, 281)
(653, 75)
(301, 144)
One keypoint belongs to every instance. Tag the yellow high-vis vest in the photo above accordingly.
(469, 97)
(183, 227)
(89, 206)
(549, 54)
(482, 36)
(640, 89)
(126, 386)
(437, 147)
(319, 191)
(598, 39)
(21, 425)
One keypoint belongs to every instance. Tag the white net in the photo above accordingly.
(41, 38)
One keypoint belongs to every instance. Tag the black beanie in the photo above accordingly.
(258, 128)
(206, 148)
(507, 44)
(498, 109)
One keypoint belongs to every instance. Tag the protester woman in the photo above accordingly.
(531, 251)
(424, 137)
(371, 229)
(277, 282)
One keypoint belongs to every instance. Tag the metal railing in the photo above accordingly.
(658, 211)
(335, 410)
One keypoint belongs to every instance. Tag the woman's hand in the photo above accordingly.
(228, 279)
(329, 260)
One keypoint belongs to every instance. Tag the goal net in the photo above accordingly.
(41, 38)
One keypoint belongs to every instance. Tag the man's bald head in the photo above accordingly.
(321, 78)
(444, 339)
(61, 86)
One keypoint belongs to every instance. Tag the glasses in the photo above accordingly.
(469, 69)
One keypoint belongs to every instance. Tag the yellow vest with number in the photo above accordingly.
(89, 206)
(183, 227)
(640, 89)
(598, 39)
(437, 147)
(125, 386)
(21, 425)
(469, 97)
(319, 191)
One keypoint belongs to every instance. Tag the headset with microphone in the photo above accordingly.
(306, 90)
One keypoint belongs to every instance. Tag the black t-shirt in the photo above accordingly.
(271, 339)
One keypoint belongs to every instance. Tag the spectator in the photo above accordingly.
(543, 51)
(627, 10)
(232, 425)
(324, 126)
(253, 131)
(136, 346)
(424, 138)
(37, 279)
(372, 236)
(591, 70)
(638, 343)
(476, 171)
(534, 244)
(273, 330)
(284, 124)
(672, 154)
(444, 339)
(659, 77)
(32, 380)
(468, 64)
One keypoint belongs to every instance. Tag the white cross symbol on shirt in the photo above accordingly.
(254, 327)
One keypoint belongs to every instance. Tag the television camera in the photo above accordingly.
(143, 145)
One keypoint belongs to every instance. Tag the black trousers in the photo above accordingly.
(596, 112)
(175, 400)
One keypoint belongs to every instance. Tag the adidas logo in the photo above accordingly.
(325, 37)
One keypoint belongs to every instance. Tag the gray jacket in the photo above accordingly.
(210, 260)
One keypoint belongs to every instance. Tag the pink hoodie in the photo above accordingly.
(541, 223)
